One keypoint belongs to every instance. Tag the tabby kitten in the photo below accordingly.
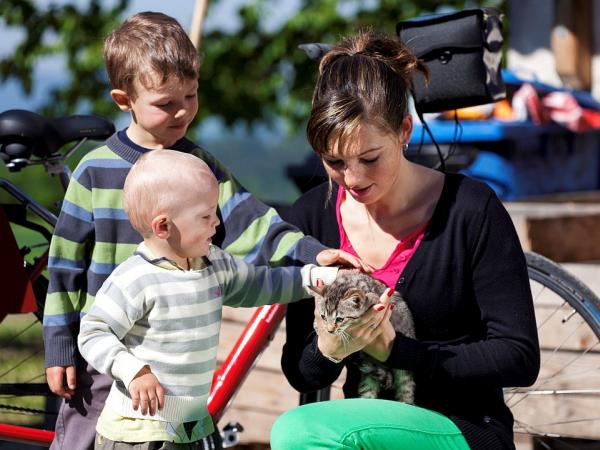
(341, 304)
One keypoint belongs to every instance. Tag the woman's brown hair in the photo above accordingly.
(364, 78)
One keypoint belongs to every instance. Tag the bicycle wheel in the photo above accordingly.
(24, 395)
(563, 403)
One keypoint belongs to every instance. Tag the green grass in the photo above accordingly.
(23, 349)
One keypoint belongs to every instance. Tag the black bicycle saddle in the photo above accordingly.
(24, 132)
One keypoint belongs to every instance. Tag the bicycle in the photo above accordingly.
(567, 304)
(27, 139)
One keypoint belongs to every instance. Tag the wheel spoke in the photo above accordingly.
(561, 404)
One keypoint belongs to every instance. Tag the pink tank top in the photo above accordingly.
(397, 261)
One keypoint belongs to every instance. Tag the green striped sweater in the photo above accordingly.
(93, 236)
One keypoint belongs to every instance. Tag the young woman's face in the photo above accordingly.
(368, 167)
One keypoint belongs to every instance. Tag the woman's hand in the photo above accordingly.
(333, 256)
(381, 347)
(357, 336)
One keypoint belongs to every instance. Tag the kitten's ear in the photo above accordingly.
(372, 298)
(356, 301)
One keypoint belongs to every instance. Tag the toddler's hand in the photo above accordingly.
(146, 392)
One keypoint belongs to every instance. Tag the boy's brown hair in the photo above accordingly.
(151, 47)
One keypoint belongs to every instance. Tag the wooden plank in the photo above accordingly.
(264, 396)
(257, 424)
(588, 273)
(241, 315)
(554, 229)
(569, 414)
(557, 325)
(269, 390)
(571, 42)
(265, 390)
(559, 328)
(523, 442)
(271, 357)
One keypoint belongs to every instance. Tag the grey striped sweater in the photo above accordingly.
(169, 320)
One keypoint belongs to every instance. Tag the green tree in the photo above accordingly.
(258, 74)
(255, 74)
(73, 33)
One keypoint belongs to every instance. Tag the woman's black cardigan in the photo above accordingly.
(468, 290)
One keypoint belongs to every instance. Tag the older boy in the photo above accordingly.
(154, 325)
(153, 68)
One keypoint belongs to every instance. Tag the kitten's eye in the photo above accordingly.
(323, 316)
(339, 320)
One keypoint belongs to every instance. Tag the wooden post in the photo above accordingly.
(198, 22)
(571, 41)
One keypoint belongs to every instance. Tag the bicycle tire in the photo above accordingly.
(560, 405)
(25, 398)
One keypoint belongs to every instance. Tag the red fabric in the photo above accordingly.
(17, 292)
(558, 106)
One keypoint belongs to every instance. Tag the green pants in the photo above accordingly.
(365, 424)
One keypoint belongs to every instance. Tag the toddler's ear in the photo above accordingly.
(121, 98)
(161, 226)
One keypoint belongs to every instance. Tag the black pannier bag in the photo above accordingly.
(463, 51)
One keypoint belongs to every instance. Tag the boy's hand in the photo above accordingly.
(146, 392)
(332, 256)
(55, 377)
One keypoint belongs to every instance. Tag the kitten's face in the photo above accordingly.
(339, 310)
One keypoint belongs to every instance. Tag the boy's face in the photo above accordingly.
(194, 223)
(160, 114)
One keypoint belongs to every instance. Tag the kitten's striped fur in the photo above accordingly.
(340, 305)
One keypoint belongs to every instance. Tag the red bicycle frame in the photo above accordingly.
(227, 379)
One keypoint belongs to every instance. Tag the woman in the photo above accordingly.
(445, 242)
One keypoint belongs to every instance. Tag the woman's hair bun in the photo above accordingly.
(371, 44)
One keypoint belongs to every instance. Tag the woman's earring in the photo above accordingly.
(404, 147)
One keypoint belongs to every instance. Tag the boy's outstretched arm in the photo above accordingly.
(253, 230)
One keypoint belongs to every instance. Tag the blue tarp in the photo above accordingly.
(519, 159)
